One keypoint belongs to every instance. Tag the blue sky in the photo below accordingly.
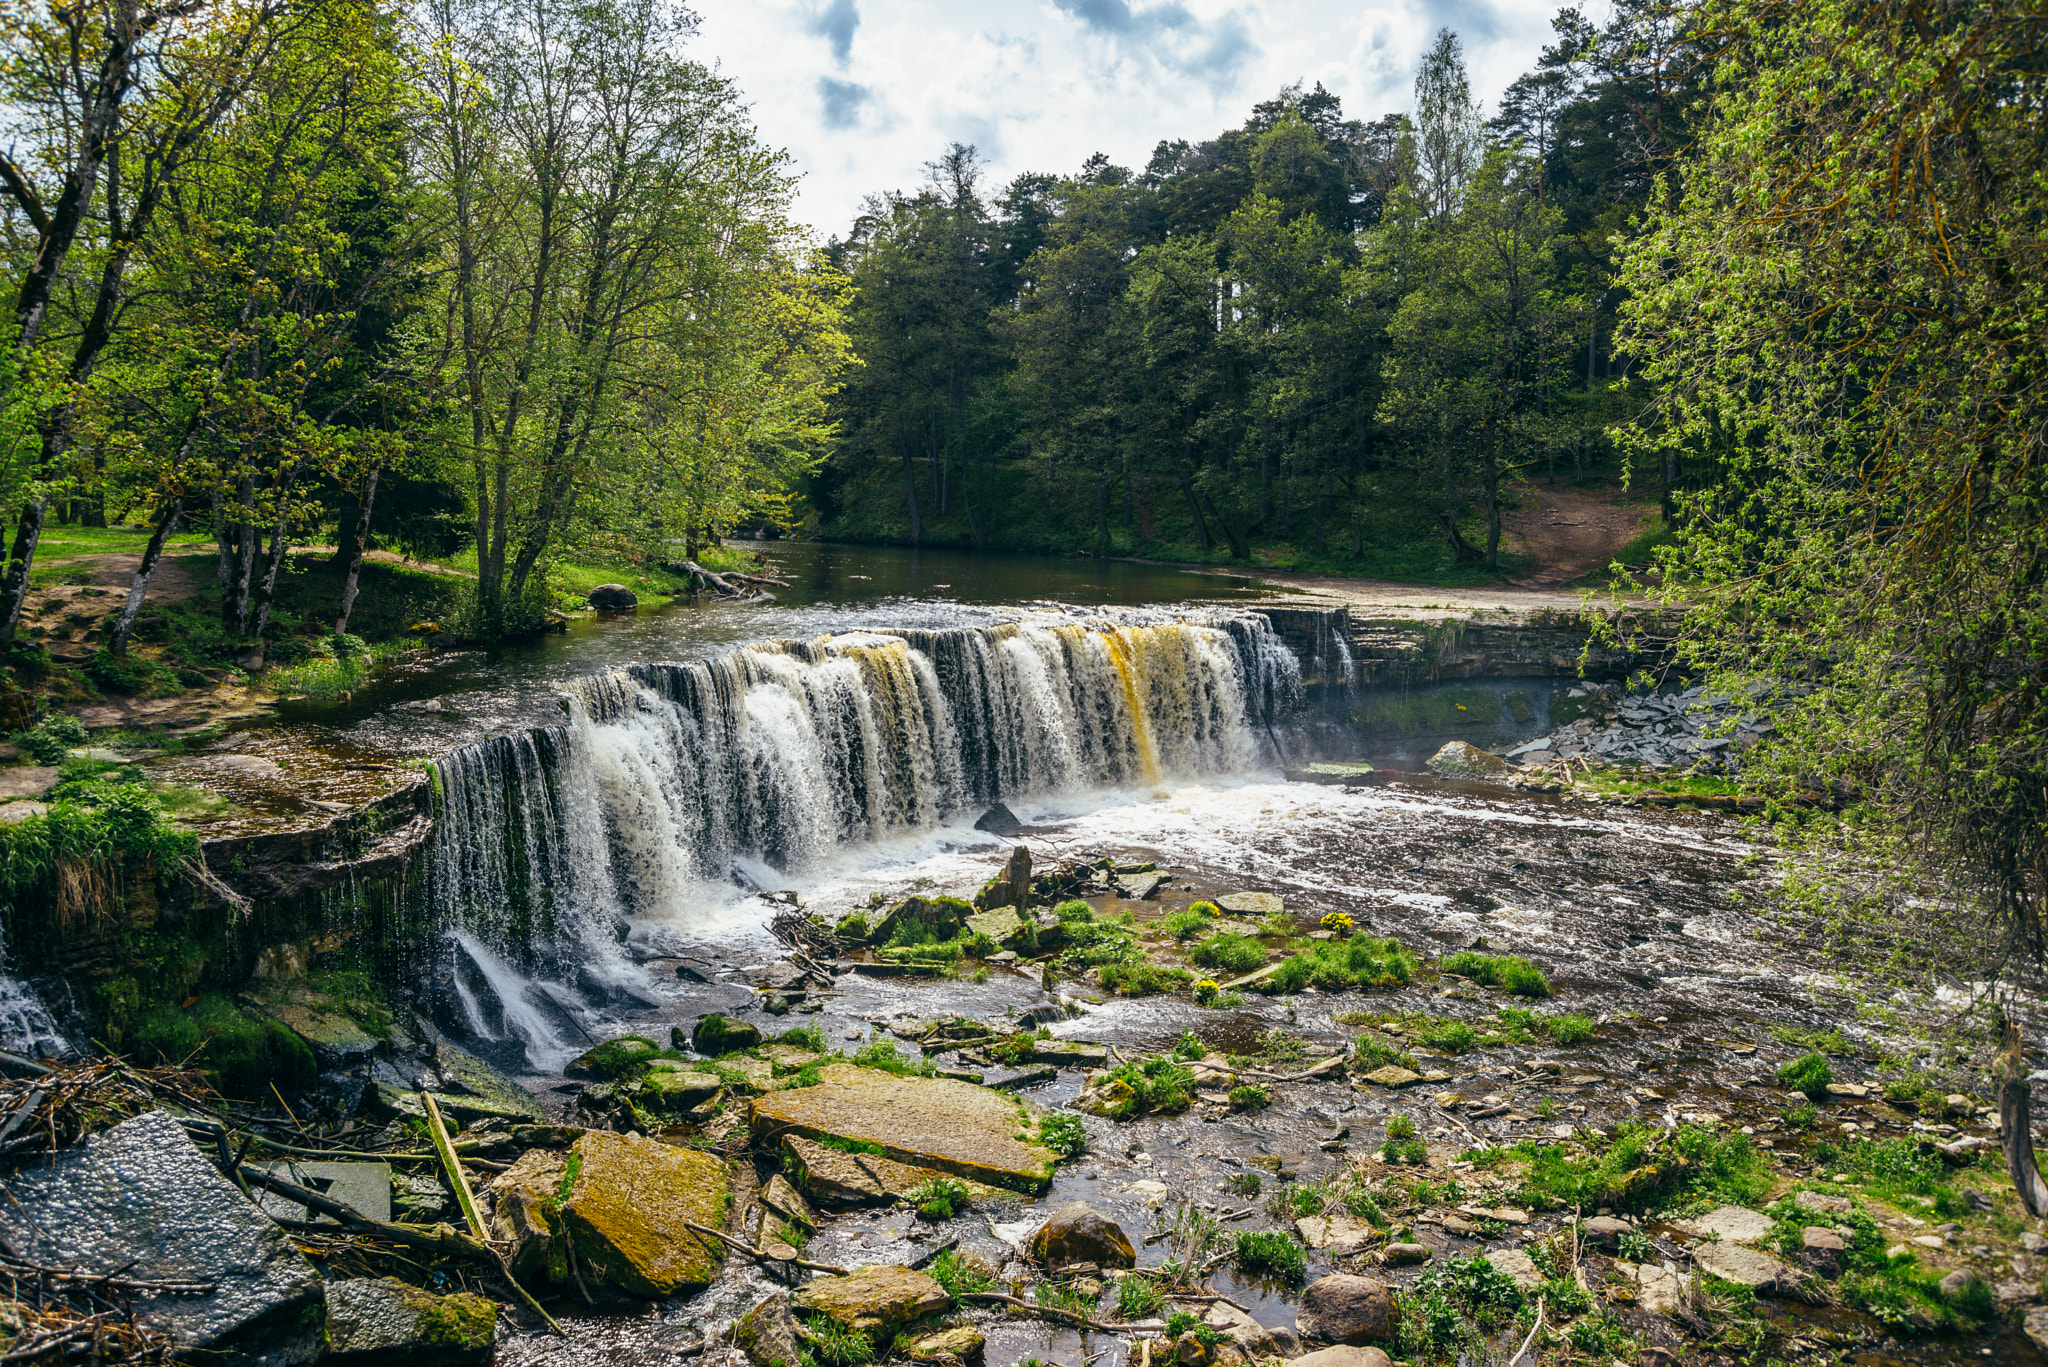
(863, 92)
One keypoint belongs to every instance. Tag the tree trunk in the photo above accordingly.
(910, 493)
(348, 543)
(1492, 520)
(1461, 549)
(2016, 1122)
(1357, 530)
(359, 539)
(1101, 516)
(260, 619)
(152, 556)
(14, 592)
(1187, 489)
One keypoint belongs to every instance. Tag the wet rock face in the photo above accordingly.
(1343, 1356)
(997, 820)
(140, 1199)
(1078, 1233)
(1458, 759)
(379, 1322)
(872, 1298)
(613, 598)
(767, 1334)
(1341, 1308)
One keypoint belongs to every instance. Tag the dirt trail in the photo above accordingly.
(1568, 534)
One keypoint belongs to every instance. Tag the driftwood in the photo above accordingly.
(1058, 1316)
(440, 1239)
(2015, 1106)
(761, 1255)
(731, 584)
(465, 1198)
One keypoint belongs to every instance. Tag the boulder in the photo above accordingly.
(1658, 1291)
(1011, 887)
(1343, 1355)
(1000, 820)
(1393, 1075)
(1005, 927)
(1341, 1308)
(1252, 1339)
(336, 1037)
(140, 1199)
(1604, 1231)
(962, 1345)
(382, 1322)
(613, 598)
(1957, 1283)
(472, 1089)
(1827, 1205)
(875, 1298)
(1336, 1234)
(927, 1122)
(715, 1035)
(1821, 1252)
(614, 1058)
(838, 1178)
(1734, 1263)
(1138, 887)
(1458, 759)
(1406, 1255)
(767, 1334)
(2035, 1326)
(1252, 903)
(942, 917)
(1078, 1233)
(621, 1202)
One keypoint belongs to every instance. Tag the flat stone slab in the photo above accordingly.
(859, 1178)
(1734, 1263)
(366, 1187)
(1138, 887)
(1252, 903)
(1518, 1266)
(379, 1322)
(1657, 1291)
(28, 780)
(1737, 1224)
(1832, 1205)
(1393, 1075)
(140, 1199)
(928, 1122)
(878, 1297)
(1335, 1234)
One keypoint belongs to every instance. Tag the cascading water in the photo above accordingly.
(670, 783)
(26, 1025)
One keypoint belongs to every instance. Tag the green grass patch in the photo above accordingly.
(1644, 1168)
(961, 1272)
(1271, 1252)
(1237, 954)
(1451, 1036)
(1340, 965)
(1137, 977)
(1374, 1052)
(881, 1054)
(1138, 1298)
(1510, 971)
(1159, 1085)
(1809, 1073)
(1064, 1134)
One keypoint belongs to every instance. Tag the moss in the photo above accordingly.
(461, 1322)
(244, 1054)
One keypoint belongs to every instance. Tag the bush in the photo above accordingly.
(1184, 925)
(1074, 912)
(1272, 1251)
(1245, 1183)
(1247, 1097)
(1230, 953)
(66, 728)
(1064, 1134)
(1209, 909)
(938, 1198)
(1809, 1073)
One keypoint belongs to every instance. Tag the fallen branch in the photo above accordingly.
(439, 1239)
(1316, 1071)
(1067, 1317)
(761, 1255)
(21, 1267)
(465, 1198)
(1534, 1330)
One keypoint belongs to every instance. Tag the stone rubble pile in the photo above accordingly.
(1690, 730)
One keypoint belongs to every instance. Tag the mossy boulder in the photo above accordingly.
(244, 1055)
(937, 918)
(624, 1204)
(382, 1322)
(615, 1058)
(716, 1035)
(1006, 928)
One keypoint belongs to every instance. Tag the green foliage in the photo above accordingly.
(243, 1054)
(1808, 1073)
(832, 1344)
(1512, 972)
(1374, 1052)
(1244, 1183)
(1248, 1097)
(1068, 1296)
(1229, 953)
(1451, 1036)
(880, 1053)
(1161, 1085)
(94, 825)
(1074, 912)
(1138, 1298)
(131, 674)
(1455, 1301)
(1337, 965)
(1274, 1252)
(1645, 1168)
(960, 1273)
(1189, 1046)
(626, 1055)
(811, 1037)
(1400, 1127)
(1064, 1134)
(938, 1198)
(1184, 925)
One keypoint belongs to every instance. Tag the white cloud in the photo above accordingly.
(863, 92)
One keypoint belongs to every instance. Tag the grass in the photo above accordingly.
(322, 678)
(1185, 925)
(1159, 1085)
(961, 1272)
(938, 1198)
(1340, 965)
(1245, 1183)
(1644, 1168)
(881, 1054)
(1247, 1097)
(1229, 953)
(1809, 1073)
(1374, 1052)
(832, 1344)
(1454, 1303)
(1510, 971)
(1829, 1041)
(1273, 1252)
(1451, 1036)
(1064, 1134)
(1138, 1298)
(1137, 977)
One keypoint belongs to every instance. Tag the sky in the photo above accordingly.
(863, 92)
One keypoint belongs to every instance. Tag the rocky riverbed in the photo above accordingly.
(1360, 1068)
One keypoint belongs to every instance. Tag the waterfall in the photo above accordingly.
(664, 781)
(26, 1025)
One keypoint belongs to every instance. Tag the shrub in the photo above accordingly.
(1209, 909)
(1064, 1134)
(1400, 1127)
(66, 728)
(1245, 1183)
(1230, 953)
(1185, 925)
(1338, 923)
(1410, 1151)
(1336, 965)
(1272, 1251)
(1137, 1298)
(1074, 912)
(1247, 1097)
(1809, 1073)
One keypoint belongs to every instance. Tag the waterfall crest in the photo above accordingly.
(666, 779)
